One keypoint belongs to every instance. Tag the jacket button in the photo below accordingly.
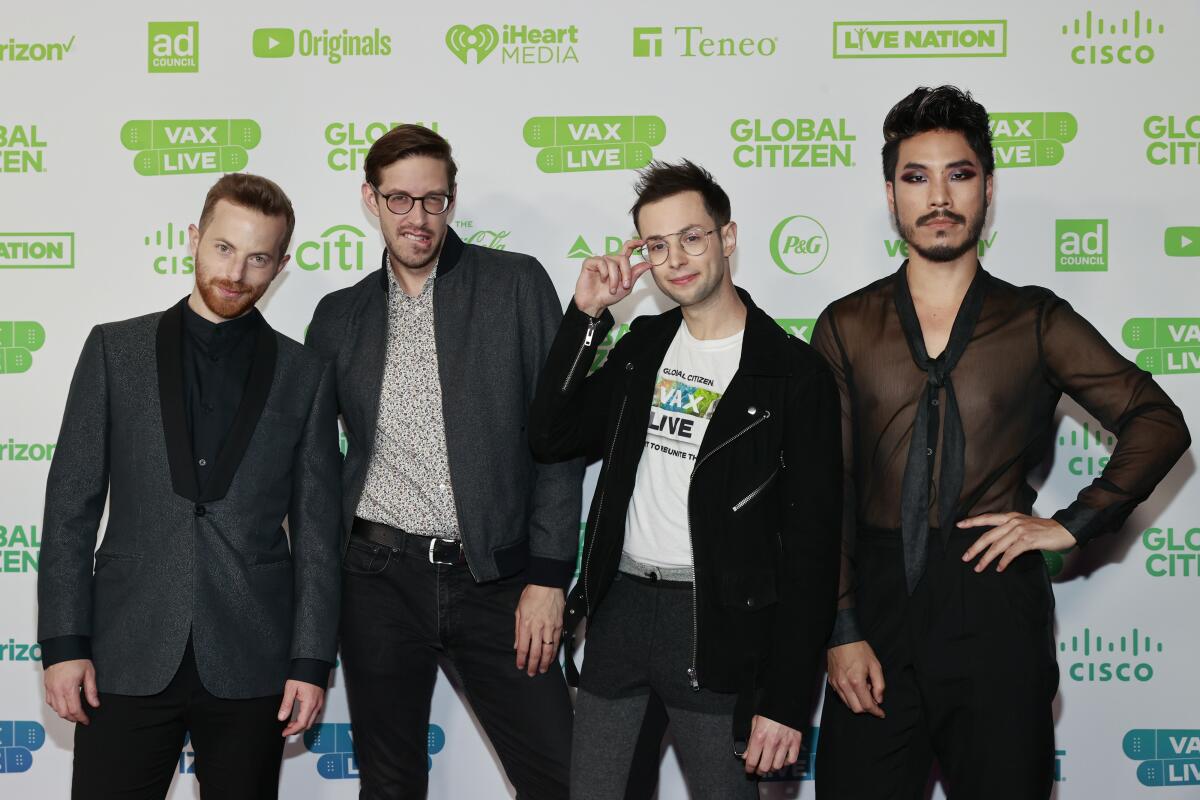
(571, 611)
(629, 366)
(750, 602)
(200, 510)
(752, 410)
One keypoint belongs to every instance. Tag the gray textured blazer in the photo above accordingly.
(175, 559)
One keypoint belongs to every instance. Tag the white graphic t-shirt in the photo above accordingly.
(691, 380)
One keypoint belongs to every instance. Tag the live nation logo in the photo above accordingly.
(585, 144)
(1166, 345)
(190, 146)
(921, 39)
(1031, 139)
(1167, 757)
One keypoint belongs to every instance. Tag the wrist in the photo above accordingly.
(592, 309)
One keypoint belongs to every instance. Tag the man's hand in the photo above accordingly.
(63, 680)
(605, 280)
(308, 698)
(772, 746)
(538, 628)
(1013, 535)
(857, 676)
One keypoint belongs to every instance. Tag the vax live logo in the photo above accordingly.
(1120, 41)
(20, 546)
(22, 149)
(691, 42)
(792, 142)
(1032, 139)
(19, 340)
(1168, 757)
(349, 142)
(18, 740)
(799, 244)
(334, 743)
(584, 144)
(37, 250)
(801, 328)
(610, 341)
(519, 44)
(174, 47)
(1100, 660)
(190, 146)
(1081, 245)
(1167, 345)
(484, 237)
(12, 50)
(1173, 553)
(921, 39)
(805, 768)
(1174, 141)
(173, 257)
(899, 247)
(1091, 446)
(341, 248)
(333, 47)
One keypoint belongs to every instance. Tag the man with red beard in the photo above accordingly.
(205, 429)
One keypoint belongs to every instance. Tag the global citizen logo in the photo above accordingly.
(690, 42)
(800, 327)
(1033, 139)
(190, 146)
(518, 44)
(37, 250)
(20, 548)
(586, 144)
(490, 238)
(899, 247)
(799, 244)
(1099, 660)
(339, 248)
(334, 743)
(1087, 447)
(308, 43)
(792, 142)
(19, 340)
(174, 47)
(349, 142)
(1174, 141)
(1166, 345)
(17, 651)
(1173, 552)
(921, 39)
(1081, 245)
(12, 50)
(1120, 41)
(18, 741)
(22, 149)
(173, 256)
(1169, 757)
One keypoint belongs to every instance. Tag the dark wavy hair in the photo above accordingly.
(660, 179)
(946, 108)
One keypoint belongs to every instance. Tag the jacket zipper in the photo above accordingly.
(587, 557)
(587, 341)
(738, 505)
(693, 675)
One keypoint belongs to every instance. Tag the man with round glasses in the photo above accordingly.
(709, 568)
(458, 545)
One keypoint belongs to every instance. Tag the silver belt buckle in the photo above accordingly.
(433, 540)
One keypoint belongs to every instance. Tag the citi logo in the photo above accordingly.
(1101, 661)
(18, 741)
(339, 248)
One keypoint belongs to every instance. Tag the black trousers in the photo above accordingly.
(970, 676)
(131, 750)
(400, 613)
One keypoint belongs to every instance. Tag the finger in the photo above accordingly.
(1022, 544)
(516, 628)
(285, 705)
(987, 539)
(58, 704)
(793, 751)
(753, 753)
(631, 245)
(875, 675)
(987, 519)
(781, 754)
(75, 707)
(768, 756)
(998, 547)
(523, 644)
(850, 697)
(89, 688)
(613, 273)
(641, 268)
(626, 273)
(863, 693)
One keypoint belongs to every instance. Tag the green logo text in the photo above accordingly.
(190, 146)
(583, 144)
(1081, 245)
(37, 250)
(1119, 41)
(174, 47)
(921, 39)
(518, 44)
(799, 244)
(792, 142)
(21, 149)
(1032, 139)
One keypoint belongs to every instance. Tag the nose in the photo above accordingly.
(676, 256)
(417, 215)
(939, 194)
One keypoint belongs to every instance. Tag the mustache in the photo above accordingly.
(950, 215)
(229, 286)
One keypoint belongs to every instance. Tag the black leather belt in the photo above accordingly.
(437, 551)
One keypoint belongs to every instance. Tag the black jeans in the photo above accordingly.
(400, 613)
(131, 748)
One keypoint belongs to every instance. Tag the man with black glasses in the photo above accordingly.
(459, 545)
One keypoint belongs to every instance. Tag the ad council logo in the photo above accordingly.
(18, 740)
(921, 39)
(691, 42)
(1128, 36)
(174, 47)
(1102, 661)
(792, 142)
(1168, 757)
(585, 144)
(1174, 141)
(1031, 140)
(333, 47)
(1172, 554)
(1081, 245)
(1167, 344)
(518, 44)
(349, 142)
(799, 244)
(19, 340)
(20, 547)
(1182, 241)
(22, 149)
(190, 146)
(37, 250)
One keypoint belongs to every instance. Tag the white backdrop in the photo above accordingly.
(1098, 127)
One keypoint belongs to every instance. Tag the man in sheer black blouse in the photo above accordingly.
(949, 380)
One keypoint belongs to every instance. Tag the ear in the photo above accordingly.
(890, 188)
(987, 188)
(193, 239)
(282, 263)
(729, 238)
(370, 198)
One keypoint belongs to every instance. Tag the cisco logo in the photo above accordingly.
(18, 739)
(1124, 659)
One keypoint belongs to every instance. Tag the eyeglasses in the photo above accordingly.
(694, 242)
(401, 203)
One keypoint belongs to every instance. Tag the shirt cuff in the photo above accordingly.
(845, 628)
(310, 670)
(549, 572)
(65, 648)
(1083, 522)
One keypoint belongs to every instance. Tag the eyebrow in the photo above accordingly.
(965, 162)
(684, 229)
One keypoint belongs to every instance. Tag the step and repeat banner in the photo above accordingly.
(116, 119)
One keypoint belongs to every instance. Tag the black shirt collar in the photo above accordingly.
(218, 335)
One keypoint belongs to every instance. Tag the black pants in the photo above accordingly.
(970, 675)
(131, 749)
(400, 613)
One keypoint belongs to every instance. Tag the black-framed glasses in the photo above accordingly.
(401, 203)
(694, 242)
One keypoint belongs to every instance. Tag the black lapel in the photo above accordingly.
(368, 350)
(169, 350)
(254, 399)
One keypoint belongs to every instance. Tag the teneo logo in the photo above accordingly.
(1031, 139)
(19, 339)
(484, 237)
(20, 548)
(1172, 553)
(170, 244)
(792, 142)
(37, 250)
(519, 44)
(21, 149)
(801, 328)
(805, 768)
(16, 651)
(1123, 41)
(1167, 344)
(190, 146)
(1101, 660)
(799, 245)
(333, 47)
(340, 248)
(610, 341)
(349, 142)
(691, 42)
(899, 247)
(607, 245)
(1168, 757)
(1174, 140)
(1093, 442)
(12, 50)
(1081, 245)
(174, 47)
(921, 39)
(584, 144)
(1182, 241)
(18, 739)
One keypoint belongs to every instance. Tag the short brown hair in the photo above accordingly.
(660, 180)
(256, 193)
(406, 141)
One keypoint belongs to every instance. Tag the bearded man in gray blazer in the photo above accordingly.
(205, 429)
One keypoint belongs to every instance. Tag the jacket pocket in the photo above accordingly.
(750, 591)
(756, 492)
